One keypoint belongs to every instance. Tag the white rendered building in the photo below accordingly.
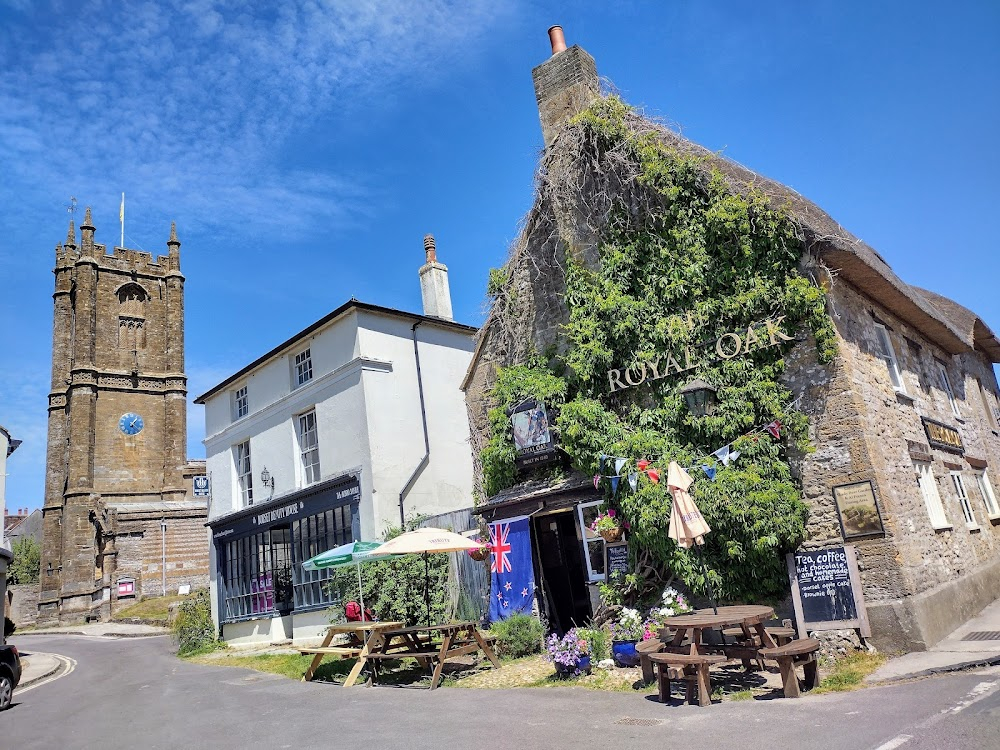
(336, 434)
(7, 446)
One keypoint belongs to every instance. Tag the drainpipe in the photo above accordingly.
(427, 443)
(163, 554)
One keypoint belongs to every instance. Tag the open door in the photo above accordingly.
(561, 564)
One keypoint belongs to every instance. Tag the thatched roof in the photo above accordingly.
(954, 328)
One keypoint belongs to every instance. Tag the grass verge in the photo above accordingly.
(150, 609)
(849, 672)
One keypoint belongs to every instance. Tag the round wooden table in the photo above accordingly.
(750, 617)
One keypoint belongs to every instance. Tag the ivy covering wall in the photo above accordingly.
(683, 258)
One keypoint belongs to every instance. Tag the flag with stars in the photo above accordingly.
(512, 576)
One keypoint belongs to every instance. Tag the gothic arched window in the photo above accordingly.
(132, 300)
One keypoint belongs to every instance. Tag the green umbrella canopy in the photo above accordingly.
(351, 553)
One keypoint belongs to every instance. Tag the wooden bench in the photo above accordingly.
(795, 653)
(350, 652)
(644, 649)
(692, 669)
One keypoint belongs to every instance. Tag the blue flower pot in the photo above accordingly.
(624, 653)
(582, 665)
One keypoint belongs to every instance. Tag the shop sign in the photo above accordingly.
(857, 509)
(616, 560)
(942, 436)
(200, 486)
(534, 444)
(760, 335)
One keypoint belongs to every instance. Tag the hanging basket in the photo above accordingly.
(479, 554)
(611, 535)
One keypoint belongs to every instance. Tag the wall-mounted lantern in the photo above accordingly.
(700, 397)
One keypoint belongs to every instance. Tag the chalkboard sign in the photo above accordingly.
(616, 559)
(826, 590)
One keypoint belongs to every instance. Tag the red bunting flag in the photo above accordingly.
(654, 476)
(597, 481)
(774, 428)
(642, 464)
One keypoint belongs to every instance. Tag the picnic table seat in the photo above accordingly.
(800, 652)
(644, 649)
(693, 669)
(350, 652)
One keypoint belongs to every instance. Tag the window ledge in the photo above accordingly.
(973, 527)
(905, 398)
(946, 527)
(994, 519)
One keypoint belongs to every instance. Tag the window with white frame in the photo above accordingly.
(932, 498)
(945, 384)
(989, 499)
(241, 404)
(303, 368)
(244, 477)
(963, 499)
(888, 355)
(593, 543)
(308, 446)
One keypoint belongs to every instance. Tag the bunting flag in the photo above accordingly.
(709, 471)
(614, 485)
(597, 481)
(724, 455)
(619, 464)
(633, 481)
(600, 463)
(642, 464)
(654, 475)
(774, 428)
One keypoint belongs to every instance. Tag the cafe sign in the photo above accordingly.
(942, 436)
(759, 335)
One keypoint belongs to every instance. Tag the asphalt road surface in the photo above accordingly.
(134, 693)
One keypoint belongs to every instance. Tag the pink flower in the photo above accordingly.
(611, 513)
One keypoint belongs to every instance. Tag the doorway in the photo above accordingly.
(562, 570)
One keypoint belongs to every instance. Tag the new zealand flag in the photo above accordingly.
(512, 587)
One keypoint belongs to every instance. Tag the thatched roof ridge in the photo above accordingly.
(965, 321)
(849, 257)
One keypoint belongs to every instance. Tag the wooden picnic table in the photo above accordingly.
(749, 617)
(420, 642)
(369, 634)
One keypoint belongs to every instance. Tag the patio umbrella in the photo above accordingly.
(423, 541)
(687, 525)
(352, 553)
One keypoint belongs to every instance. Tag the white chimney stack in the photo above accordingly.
(434, 283)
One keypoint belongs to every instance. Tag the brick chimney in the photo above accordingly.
(565, 84)
(434, 283)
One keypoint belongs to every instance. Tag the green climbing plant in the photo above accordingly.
(696, 261)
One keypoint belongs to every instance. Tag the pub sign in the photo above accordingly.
(534, 444)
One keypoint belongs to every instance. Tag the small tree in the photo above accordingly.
(27, 562)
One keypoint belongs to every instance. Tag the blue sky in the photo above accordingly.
(305, 148)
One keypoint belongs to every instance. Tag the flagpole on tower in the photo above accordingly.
(121, 218)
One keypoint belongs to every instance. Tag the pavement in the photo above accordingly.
(949, 654)
(36, 666)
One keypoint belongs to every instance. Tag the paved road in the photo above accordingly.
(129, 693)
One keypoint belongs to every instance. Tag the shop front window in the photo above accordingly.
(593, 544)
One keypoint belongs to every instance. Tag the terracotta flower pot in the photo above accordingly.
(611, 535)
(479, 554)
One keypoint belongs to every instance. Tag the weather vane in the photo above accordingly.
(71, 208)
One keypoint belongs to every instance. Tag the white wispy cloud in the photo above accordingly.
(197, 98)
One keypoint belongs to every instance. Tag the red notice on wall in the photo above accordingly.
(126, 587)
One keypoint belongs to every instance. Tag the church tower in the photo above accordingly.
(116, 469)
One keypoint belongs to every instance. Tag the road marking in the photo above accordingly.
(895, 742)
(980, 691)
(67, 667)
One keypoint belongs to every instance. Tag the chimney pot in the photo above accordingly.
(557, 39)
(430, 248)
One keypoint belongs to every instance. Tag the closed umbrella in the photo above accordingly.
(352, 553)
(424, 541)
(687, 526)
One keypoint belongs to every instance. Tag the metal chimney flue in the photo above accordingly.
(557, 39)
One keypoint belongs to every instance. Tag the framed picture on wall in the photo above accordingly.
(857, 509)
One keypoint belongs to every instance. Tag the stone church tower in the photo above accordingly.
(118, 505)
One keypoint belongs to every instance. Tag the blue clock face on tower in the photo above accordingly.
(130, 424)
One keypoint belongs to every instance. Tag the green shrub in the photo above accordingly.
(194, 628)
(27, 562)
(394, 587)
(597, 643)
(518, 635)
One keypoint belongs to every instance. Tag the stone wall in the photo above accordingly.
(24, 607)
(140, 552)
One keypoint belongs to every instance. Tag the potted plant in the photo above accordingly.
(607, 526)
(479, 553)
(672, 602)
(628, 630)
(569, 654)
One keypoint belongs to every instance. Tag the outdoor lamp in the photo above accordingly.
(700, 397)
(266, 479)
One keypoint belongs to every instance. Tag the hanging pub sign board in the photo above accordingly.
(616, 560)
(533, 441)
(826, 590)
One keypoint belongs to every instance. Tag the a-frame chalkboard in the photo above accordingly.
(826, 590)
